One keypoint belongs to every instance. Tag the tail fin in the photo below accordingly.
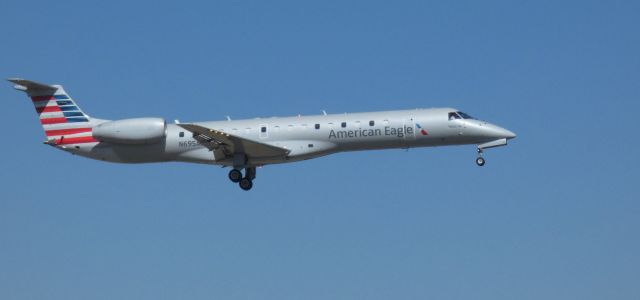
(62, 120)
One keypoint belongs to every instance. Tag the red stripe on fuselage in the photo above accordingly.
(45, 109)
(67, 131)
(53, 121)
(76, 140)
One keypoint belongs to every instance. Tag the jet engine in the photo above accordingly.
(131, 131)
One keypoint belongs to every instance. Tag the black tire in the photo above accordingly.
(480, 161)
(246, 184)
(235, 175)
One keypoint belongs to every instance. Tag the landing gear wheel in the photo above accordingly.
(246, 184)
(235, 175)
(480, 161)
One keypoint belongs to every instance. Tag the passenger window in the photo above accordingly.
(343, 125)
(181, 134)
(371, 123)
(317, 126)
(263, 129)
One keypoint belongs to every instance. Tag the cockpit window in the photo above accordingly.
(465, 116)
(453, 116)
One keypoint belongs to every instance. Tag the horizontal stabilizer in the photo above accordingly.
(32, 86)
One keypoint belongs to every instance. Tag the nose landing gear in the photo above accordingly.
(480, 160)
(497, 143)
(246, 182)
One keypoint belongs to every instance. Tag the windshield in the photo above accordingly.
(465, 116)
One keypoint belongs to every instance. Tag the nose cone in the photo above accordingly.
(498, 132)
(508, 134)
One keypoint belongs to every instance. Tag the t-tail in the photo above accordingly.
(62, 119)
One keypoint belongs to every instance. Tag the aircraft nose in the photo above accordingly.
(508, 134)
(501, 133)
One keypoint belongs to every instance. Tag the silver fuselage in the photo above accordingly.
(336, 133)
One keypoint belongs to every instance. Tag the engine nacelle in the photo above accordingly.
(131, 131)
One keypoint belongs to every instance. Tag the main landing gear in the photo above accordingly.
(235, 175)
(246, 182)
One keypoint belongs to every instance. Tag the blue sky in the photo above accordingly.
(552, 216)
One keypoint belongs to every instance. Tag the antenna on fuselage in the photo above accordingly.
(324, 112)
(228, 118)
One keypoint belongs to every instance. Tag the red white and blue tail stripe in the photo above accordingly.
(61, 118)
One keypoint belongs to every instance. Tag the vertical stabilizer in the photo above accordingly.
(61, 118)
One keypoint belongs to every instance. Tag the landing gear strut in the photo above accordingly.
(480, 160)
(246, 182)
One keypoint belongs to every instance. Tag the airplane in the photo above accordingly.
(244, 145)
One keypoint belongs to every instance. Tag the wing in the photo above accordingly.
(226, 145)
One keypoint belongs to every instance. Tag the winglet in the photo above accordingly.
(31, 86)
